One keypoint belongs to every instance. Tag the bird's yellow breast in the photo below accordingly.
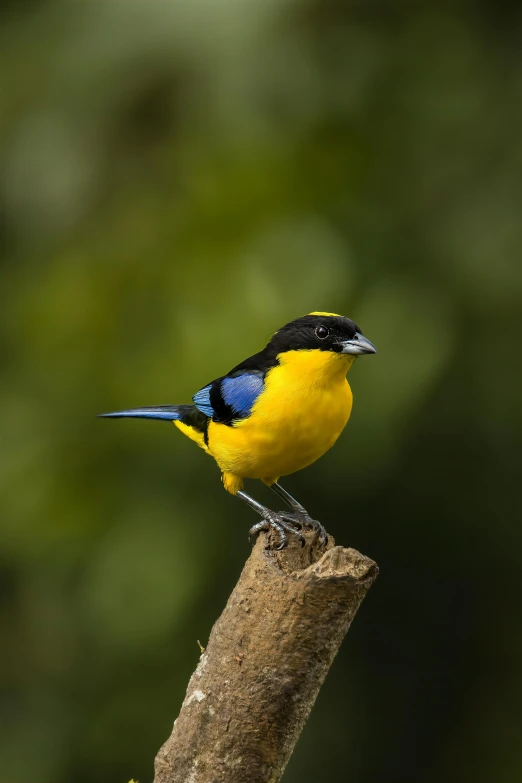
(305, 405)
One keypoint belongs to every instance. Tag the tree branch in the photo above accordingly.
(267, 657)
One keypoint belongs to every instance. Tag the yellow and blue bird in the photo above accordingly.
(275, 413)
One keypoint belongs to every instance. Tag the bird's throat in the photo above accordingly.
(324, 367)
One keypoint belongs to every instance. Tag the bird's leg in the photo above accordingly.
(272, 519)
(289, 500)
(300, 513)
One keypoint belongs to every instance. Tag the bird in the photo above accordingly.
(274, 414)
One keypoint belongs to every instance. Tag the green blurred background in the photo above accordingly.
(177, 180)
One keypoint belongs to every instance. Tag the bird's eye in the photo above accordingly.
(322, 332)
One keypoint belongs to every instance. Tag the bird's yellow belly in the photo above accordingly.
(291, 425)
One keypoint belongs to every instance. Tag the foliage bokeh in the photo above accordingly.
(177, 180)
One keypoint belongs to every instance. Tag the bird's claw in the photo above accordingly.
(281, 523)
(303, 519)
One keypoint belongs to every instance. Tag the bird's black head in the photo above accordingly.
(324, 332)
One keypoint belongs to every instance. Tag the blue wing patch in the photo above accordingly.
(241, 392)
(202, 401)
(231, 397)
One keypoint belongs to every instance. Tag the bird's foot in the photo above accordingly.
(304, 519)
(281, 523)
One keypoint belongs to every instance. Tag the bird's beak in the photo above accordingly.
(359, 344)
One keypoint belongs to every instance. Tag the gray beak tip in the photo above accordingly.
(358, 345)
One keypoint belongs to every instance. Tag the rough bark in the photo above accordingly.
(266, 659)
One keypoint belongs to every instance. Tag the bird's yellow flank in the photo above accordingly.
(304, 407)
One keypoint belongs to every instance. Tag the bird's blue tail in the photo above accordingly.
(164, 412)
(187, 418)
